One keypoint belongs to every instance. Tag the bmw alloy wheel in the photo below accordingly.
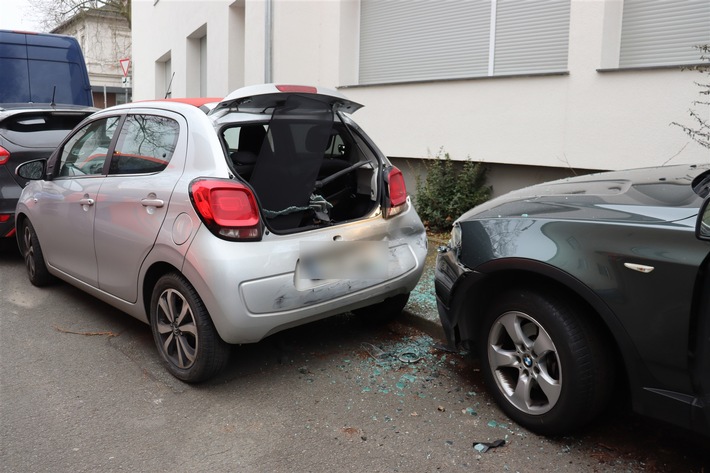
(524, 362)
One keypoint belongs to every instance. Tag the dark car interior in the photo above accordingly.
(304, 165)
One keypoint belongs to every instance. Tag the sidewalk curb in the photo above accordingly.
(431, 328)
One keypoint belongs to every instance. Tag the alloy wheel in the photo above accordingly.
(177, 329)
(29, 252)
(525, 363)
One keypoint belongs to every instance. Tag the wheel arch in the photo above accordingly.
(152, 275)
(499, 275)
(20, 218)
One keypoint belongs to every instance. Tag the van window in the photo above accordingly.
(38, 67)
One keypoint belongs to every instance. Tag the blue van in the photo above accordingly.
(44, 93)
(42, 68)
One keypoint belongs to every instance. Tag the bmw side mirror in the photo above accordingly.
(32, 170)
(702, 227)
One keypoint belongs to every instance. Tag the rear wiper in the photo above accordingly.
(342, 172)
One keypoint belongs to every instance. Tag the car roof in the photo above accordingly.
(9, 110)
(194, 101)
(203, 103)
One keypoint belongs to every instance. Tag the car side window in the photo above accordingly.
(145, 144)
(85, 152)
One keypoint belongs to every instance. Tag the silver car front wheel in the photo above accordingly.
(37, 271)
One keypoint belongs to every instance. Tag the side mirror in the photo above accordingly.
(702, 227)
(32, 170)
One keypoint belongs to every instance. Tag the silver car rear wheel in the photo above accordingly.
(177, 329)
(383, 312)
(184, 334)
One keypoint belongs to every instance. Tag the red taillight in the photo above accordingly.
(227, 208)
(397, 193)
(301, 89)
(4, 155)
(5, 218)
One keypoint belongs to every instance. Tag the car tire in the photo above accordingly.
(383, 312)
(37, 271)
(547, 365)
(187, 341)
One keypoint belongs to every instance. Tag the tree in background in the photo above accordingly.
(700, 130)
(52, 13)
(449, 190)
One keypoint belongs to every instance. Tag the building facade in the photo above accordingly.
(535, 88)
(105, 40)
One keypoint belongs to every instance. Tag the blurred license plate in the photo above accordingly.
(343, 260)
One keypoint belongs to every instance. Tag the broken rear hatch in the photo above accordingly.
(308, 164)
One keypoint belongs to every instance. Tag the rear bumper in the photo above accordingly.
(251, 290)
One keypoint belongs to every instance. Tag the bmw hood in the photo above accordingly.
(661, 194)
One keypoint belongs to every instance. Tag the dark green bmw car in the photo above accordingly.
(575, 290)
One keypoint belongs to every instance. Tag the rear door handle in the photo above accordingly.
(148, 202)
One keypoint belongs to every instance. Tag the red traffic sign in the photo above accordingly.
(125, 64)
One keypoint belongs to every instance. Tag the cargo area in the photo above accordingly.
(306, 165)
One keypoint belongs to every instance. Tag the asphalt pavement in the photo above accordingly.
(81, 389)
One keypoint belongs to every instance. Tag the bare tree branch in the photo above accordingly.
(700, 131)
(52, 13)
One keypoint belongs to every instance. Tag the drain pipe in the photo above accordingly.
(268, 41)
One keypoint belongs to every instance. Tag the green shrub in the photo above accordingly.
(450, 190)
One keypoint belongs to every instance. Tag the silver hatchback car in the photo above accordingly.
(272, 211)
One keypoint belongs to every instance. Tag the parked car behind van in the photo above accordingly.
(44, 93)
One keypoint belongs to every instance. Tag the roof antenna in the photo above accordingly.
(54, 92)
(170, 84)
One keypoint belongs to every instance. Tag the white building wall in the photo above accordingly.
(104, 40)
(163, 30)
(586, 119)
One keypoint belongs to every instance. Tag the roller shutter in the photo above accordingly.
(531, 36)
(663, 33)
(416, 40)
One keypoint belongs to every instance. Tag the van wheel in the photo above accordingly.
(187, 341)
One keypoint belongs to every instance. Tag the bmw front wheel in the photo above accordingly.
(545, 362)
